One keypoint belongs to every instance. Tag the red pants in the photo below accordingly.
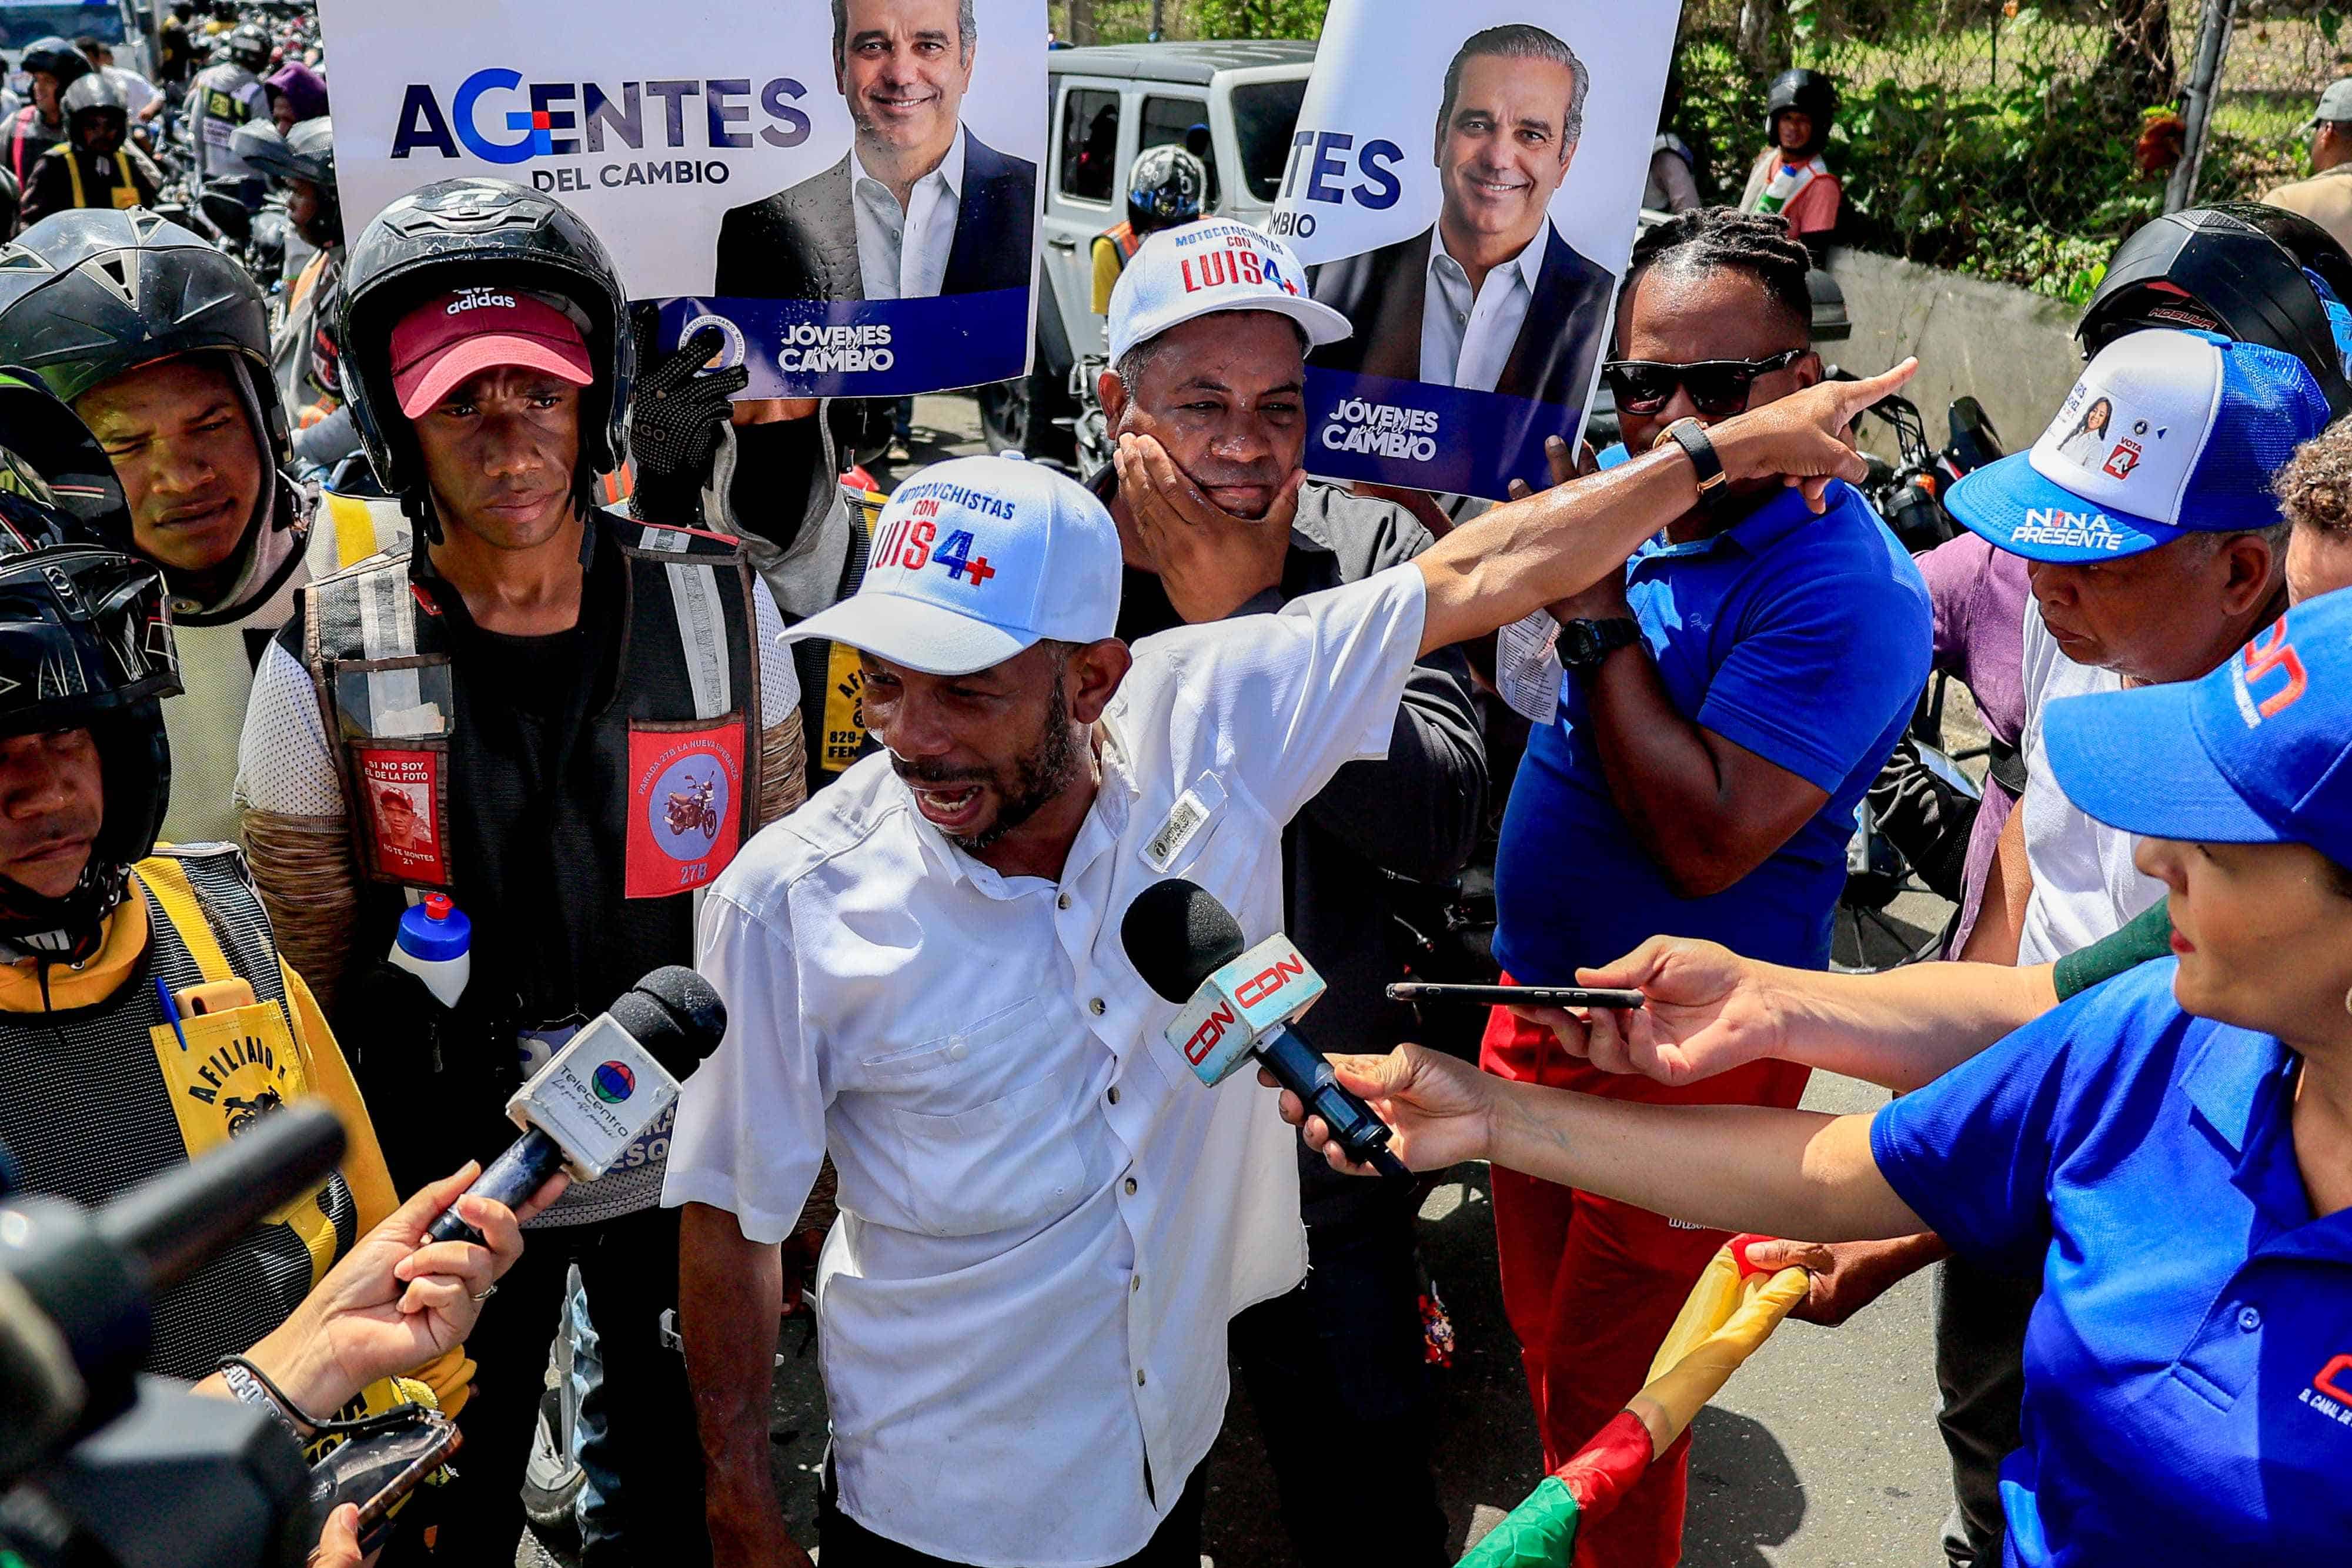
(1591, 1285)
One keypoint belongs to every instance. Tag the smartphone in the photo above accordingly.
(1511, 995)
(394, 1465)
(214, 997)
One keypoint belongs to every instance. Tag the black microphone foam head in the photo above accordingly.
(1177, 935)
(675, 1015)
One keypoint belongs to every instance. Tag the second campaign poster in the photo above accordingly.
(1464, 185)
(848, 191)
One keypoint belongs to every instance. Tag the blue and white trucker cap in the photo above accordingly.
(975, 560)
(1200, 269)
(2168, 433)
(2259, 752)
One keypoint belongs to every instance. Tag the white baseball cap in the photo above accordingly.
(1200, 269)
(2168, 433)
(975, 560)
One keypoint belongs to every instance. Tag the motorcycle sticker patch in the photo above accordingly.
(685, 806)
(406, 825)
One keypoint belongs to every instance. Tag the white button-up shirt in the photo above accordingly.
(903, 255)
(1046, 1221)
(1466, 342)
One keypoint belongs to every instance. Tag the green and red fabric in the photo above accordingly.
(1734, 1308)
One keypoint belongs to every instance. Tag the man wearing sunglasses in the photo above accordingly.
(1730, 698)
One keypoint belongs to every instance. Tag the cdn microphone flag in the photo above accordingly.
(1239, 1003)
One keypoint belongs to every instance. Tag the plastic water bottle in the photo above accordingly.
(436, 944)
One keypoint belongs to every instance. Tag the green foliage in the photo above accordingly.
(2031, 183)
(1260, 18)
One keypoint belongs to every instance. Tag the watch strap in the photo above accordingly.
(248, 1390)
(1691, 436)
(1584, 645)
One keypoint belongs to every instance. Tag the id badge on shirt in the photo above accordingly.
(1189, 814)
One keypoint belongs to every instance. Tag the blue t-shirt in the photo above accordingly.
(2189, 1367)
(1805, 640)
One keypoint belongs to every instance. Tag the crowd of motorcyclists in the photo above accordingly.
(176, 276)
(231, 141)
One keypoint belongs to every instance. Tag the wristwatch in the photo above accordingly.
(1691, 436)
(1583, 644)
(248, 1388)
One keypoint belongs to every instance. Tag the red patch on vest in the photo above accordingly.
(685, 807)
(404, 816)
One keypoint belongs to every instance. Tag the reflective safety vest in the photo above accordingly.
(571, 846)
(206, 721)
(125, 192)
(147, 1097)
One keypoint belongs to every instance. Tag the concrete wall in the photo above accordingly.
(2015, 351)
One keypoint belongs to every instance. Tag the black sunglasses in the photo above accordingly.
(1717, 387)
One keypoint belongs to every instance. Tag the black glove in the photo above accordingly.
(1926, 818)
(675, 421)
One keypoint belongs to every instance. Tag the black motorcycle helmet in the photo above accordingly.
(89, 294)
(1809, 93)
(306, 153)
(2212, 269)
(89, 100)
(466, 233)
(84, 644)
(249, 46)
(1166, 187)
(54, 57)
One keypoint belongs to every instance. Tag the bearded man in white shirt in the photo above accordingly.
(1046, 1222)
(920, 206)
(1490, 298)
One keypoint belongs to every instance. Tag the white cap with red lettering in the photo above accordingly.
(1200, 268)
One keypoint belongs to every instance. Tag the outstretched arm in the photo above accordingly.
(1520, 557)
(1729, 1167)
(1709, 1010)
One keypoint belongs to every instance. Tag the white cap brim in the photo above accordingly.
(1320, 321)
(927, 637)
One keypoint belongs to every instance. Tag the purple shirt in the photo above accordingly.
(1978, 595)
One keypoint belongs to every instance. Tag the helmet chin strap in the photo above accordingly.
(66, 929)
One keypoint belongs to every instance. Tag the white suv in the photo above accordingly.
(1235, 104)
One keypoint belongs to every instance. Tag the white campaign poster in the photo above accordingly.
(849, 191)
(1464, 185)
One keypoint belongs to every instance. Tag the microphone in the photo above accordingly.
(176, 1222)
(1239, 1004)
(75, 1285)
(603, 1090)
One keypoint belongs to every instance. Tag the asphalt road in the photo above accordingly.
(1822, 1452)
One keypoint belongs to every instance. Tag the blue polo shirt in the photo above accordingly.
(1805, 640)
(2189, 1367)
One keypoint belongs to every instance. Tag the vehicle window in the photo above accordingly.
(24, 24)
(1090, 144)
(1185, 122)
(1265, 114)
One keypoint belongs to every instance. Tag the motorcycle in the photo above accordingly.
(691, 810)
(1911, 830)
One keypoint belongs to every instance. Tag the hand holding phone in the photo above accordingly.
(1514, 996)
